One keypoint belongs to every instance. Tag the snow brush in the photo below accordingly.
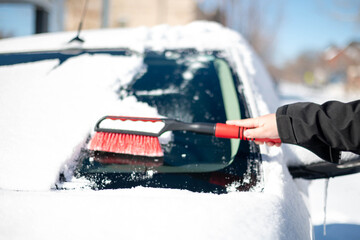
(139, 136)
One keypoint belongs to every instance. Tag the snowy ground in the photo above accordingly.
(342, 214)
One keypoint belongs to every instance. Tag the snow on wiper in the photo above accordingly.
(62, 55)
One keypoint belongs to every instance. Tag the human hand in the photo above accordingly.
(261, 127)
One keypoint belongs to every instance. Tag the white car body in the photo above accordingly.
(37, 140)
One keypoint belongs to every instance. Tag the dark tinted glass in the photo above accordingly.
(191, 93)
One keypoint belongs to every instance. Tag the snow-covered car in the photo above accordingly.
(53, 92)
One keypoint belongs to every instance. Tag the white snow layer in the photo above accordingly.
(47, 111)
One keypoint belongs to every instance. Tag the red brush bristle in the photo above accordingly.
(126, 144)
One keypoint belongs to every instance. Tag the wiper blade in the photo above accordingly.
(61, 54)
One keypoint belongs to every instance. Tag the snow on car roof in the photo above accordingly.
(201, 35)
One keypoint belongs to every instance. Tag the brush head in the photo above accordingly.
(131, 125)
(122, 143)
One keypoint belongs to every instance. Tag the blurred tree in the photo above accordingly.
(303, 68)
(343, 10)
(256, 20)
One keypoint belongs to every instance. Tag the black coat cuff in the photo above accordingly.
(287, 134)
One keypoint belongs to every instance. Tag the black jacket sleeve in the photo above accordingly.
(323, 129)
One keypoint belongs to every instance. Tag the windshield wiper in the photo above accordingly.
(62, 55)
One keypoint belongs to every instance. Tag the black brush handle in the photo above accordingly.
(175, 125)
(220, 130)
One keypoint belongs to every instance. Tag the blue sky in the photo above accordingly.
(17, 19)
(313, 25)
(306, 25)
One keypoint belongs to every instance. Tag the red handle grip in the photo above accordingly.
(231, 131)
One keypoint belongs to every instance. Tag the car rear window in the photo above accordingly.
(191, 87)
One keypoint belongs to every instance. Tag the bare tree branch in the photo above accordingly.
(342, 10)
